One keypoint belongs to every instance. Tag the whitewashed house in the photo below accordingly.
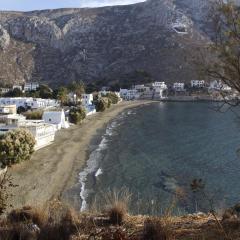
(139, 87)
(43, 133)
(57, 118)
(129, 94)
(226, 88)
(87, 99)
(160, 88)
(142, 88)
(197, 83)
(8, 109)
(87, 102)
(33, 103)
(14, 120)
(132, 94)
(17, 87)
(179, 87)
(4, 90)
(31, 86)
(123, 92)
(219, 86)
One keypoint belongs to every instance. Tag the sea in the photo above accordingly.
(156, 151)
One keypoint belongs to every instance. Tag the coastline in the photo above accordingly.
(53, 171)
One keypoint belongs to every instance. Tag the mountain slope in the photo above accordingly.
(59, 46)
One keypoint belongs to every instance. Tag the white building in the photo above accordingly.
(43, 133)
(123, 92)
(219, 86)
(4, 90)
(33, 103)
(14, 120)
(132, 94)
(226, 88)
(160, 87)
(56, 118)
(31, 86)
(8, 109)
(139, 87)
(129, 94)
(17, 87)
(179, 86)
(142, 88)
(197, 83)
(87, 99)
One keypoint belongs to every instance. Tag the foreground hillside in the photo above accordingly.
(58, 222)
(110, 43)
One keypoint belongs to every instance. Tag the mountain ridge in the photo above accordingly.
(62, 45)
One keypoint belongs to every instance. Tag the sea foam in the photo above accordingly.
(95, 157)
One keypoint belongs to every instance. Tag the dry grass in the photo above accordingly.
(117, 205)
(56, 222)
(59, 222)
(154, 230)
(33, 115)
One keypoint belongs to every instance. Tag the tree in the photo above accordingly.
(102, 104)
(21, 109)
(14, 93)
(221, 59)
(113, 97)
(62, 95)
(77, 114)
(16, 146)
(77, 87)
(45, 91)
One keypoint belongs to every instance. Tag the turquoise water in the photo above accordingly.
(157, 150)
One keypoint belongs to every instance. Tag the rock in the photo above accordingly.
(4, 38)
(111, 43)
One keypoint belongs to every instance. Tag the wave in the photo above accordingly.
(98, 172)
(92, 167)
(95, 157)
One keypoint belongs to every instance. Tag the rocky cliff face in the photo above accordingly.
(59, 46)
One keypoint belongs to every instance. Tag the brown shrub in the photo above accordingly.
(154, 230)
(54, 223)
(117, 205)
(116, 214)
(28, 214)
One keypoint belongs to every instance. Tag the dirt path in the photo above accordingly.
(54, 169)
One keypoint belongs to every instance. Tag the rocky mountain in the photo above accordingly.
(110, 43)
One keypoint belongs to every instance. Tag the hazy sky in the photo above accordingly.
(28, 5)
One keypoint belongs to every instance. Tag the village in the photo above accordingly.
(43, 117)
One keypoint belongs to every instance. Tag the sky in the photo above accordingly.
(29, 5)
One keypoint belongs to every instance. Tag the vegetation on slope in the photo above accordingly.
(16, 146)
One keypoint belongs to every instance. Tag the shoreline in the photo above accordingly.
(53, 172)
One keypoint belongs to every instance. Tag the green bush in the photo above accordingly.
(102, 104)
(35, 115)
(16, 146)
(113, 97)
(77, 114)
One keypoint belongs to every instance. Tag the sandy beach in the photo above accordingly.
(53, 171)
